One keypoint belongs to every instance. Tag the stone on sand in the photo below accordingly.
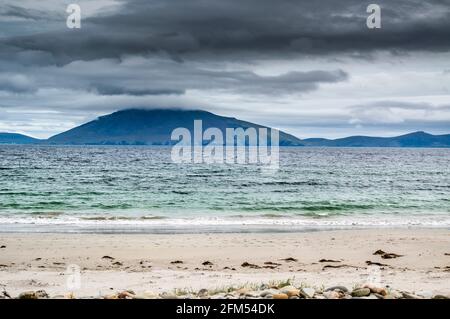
(287, 288)
(361, 292)
(307, 292)
(242, 291)
(203, 293)
(340, 288)
(127, 294)
(269, 292)
(376, 290)
(40, 294)
(332, 294)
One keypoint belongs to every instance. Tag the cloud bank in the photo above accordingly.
(311, 68)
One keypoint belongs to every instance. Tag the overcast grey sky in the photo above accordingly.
(311, 68)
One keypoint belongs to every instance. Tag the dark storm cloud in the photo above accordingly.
(292, 82)
(160, 76)
(14, 11)
(290, 63)
(115, 90)
(16, 83)
(237, 27)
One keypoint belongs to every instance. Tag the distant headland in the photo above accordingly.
(154, 127)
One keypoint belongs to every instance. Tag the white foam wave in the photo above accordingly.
(435, 220)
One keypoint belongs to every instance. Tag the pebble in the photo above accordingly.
(332, 294)
(293, 293)
(395, 294)
(148, 295)
(126, 295)
(40, 294)
(377, 290)
(367, 291)
(425, 294)
(407, 295)
(242, 291)
(290, 291)
(285, 289)
(203, 293)
(341, 288)
(268, 292)
(441, 297)
(361, 292)
(308, 292)
(252, 294)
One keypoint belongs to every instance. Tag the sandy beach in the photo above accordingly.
(415, 260)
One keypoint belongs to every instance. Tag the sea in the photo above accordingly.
(139, 189)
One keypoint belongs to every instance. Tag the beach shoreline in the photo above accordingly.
(163, 263)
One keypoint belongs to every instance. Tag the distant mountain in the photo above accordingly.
(14, 138)
(154, 127)
(416, 139)
(151, 127)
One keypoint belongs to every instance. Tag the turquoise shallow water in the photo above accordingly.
(139, 189)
